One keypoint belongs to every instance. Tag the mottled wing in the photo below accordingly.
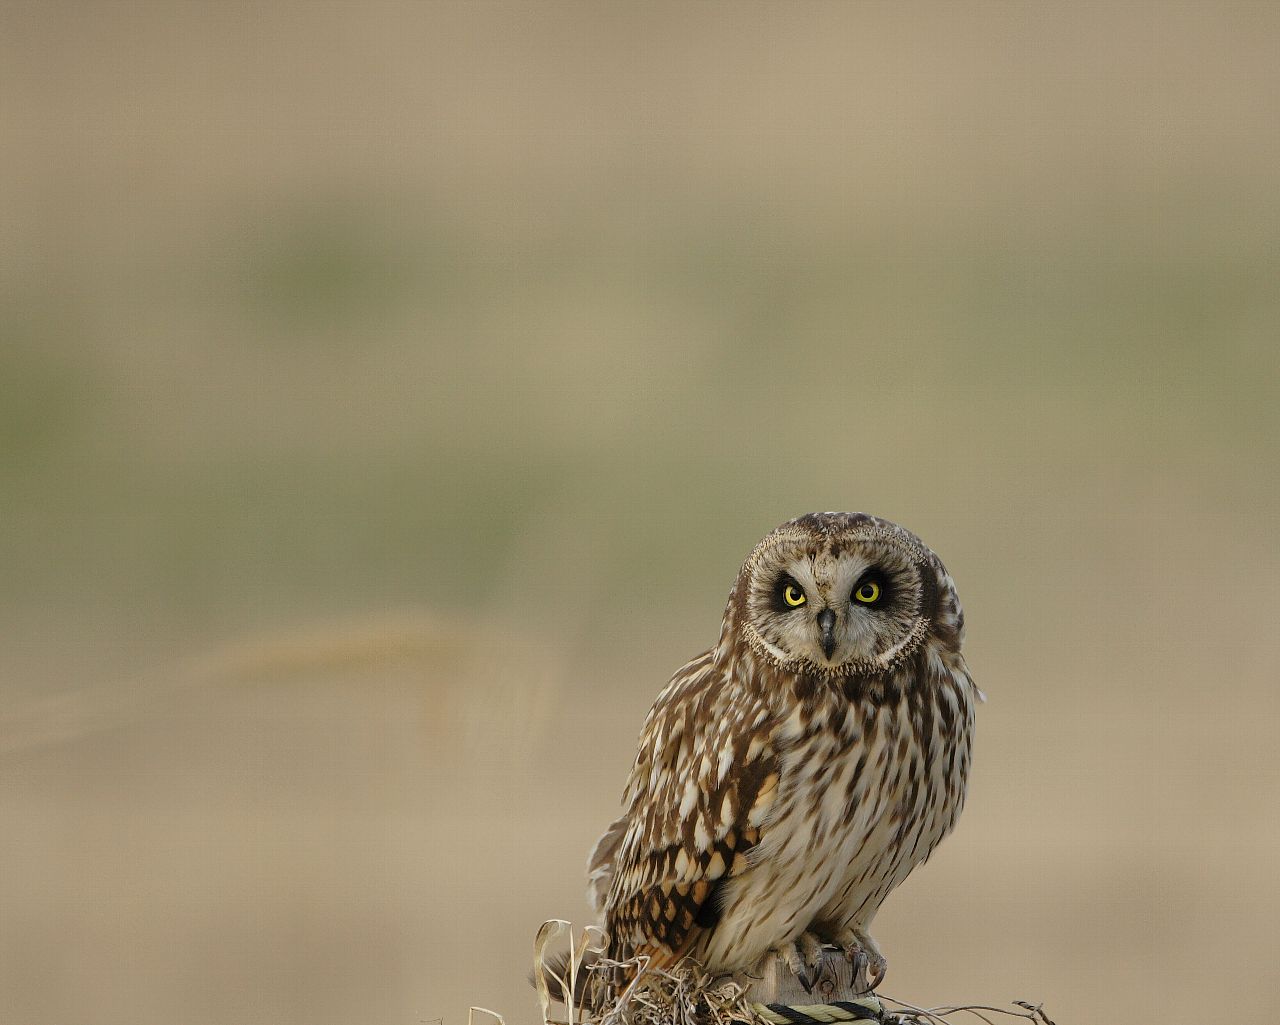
(698, 798)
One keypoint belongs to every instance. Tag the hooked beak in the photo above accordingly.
(827, 624)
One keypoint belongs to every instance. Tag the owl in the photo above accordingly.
(792, 776)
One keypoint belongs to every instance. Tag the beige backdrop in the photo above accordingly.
(389, 393)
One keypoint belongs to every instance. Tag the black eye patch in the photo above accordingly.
(788, 595)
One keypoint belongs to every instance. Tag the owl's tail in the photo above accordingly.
(600, 865)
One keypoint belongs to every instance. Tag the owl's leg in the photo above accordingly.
(860, 950)
(802, 956)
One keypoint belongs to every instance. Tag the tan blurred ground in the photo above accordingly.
(388, 394)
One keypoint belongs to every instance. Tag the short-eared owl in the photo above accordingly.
(789, 778)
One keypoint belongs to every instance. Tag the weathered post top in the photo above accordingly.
(837, 991)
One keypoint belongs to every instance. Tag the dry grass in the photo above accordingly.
(688, 995)
(684, 995)
(908, 1014)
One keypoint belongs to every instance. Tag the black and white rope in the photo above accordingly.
(863, 1009)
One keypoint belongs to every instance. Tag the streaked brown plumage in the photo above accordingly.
(791, 777)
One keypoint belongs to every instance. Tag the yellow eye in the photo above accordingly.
(793, 596)
(868, 593)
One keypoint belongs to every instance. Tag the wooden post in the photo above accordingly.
(833, 981)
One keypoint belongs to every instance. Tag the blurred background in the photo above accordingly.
(390, 392)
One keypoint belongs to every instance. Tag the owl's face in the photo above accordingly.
(837, 593)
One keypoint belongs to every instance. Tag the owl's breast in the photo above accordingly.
(840, 787)
(867, 792)
(913, 803)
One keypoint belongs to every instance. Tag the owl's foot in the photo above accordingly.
(864, 957)
(802, 956)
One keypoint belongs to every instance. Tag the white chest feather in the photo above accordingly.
(862, 804)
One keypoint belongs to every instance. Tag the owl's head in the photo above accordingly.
(843, 593)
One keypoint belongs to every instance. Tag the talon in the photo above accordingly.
(811, 950)
(857, 966)
(797, 968)
(802, 957)
(865, 960)
(878, 968)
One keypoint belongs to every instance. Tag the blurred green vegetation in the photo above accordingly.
(333, 402)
